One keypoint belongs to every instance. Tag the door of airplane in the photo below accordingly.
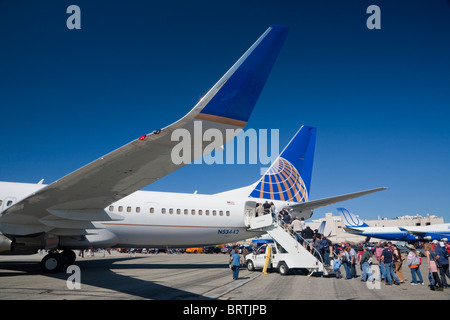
(250, 212)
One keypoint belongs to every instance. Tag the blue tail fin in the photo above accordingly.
(350, 220)
(321, 229)
(289, 177)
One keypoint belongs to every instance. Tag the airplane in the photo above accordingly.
(321, 229)
(101, 205)
(354, 225)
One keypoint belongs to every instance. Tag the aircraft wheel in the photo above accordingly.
(52, 263)
(69, 257)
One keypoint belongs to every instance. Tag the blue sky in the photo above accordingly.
(380, 99)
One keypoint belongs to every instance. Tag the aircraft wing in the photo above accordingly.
(310, 205)
(423, 234)
(416, 233)
(84, 193)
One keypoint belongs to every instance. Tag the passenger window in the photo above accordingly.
(178, 211)
(120, 208)
(171, 211)
(186, 211)
(1, 202)
(221, 213)
(128, 209)
(193, 211)
(207, 212)
(228, 213)
(138, 209)
(163, 210)
(111, 208)
(214, 212)
(9, 203)
(200, 212)
(152, 210)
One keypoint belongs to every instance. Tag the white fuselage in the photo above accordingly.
(177, 219)
(154, 219)
(431, 232)
(389, 233)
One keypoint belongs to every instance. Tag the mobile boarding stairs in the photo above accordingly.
(295, 256)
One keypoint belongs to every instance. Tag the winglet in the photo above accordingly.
(232, 99)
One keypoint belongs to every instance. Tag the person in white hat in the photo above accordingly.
(413, 260)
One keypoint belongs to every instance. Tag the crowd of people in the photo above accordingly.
(385, 260)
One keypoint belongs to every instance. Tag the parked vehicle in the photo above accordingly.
(211, 249)
(246, 247)
(226, 249)
(195, 250)
(281, 261)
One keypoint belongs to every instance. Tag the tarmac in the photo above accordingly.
(188, 277)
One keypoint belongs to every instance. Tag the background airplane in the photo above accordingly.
(354, 225)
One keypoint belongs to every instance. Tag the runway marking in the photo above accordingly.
(218, 292)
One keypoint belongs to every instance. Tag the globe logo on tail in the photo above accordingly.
(281, 182)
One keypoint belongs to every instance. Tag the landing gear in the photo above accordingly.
(52, 263)
(69, 257)
(55, 262)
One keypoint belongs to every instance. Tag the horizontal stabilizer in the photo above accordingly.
(310, 205)
(352, 230)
